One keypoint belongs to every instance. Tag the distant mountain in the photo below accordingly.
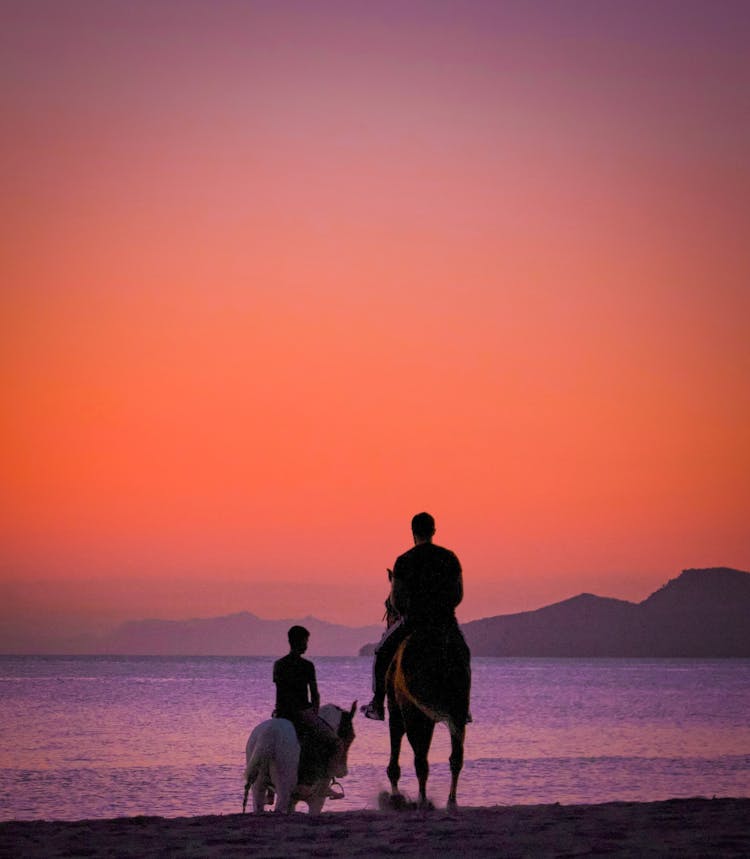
(585, 625)
(701, 613)
(241, 634)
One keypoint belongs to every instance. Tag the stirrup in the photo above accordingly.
(372, 711)
(332, 792)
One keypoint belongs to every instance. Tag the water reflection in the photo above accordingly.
(102, 737)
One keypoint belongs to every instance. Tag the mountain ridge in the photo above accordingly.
(700, 613)
(237, 634)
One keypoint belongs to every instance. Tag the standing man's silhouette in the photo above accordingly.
(426, 587)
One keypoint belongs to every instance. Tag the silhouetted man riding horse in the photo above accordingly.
(426, 587)
(297, 699)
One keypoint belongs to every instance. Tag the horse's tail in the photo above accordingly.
(254, 762)
(432, 671)
(252, 769)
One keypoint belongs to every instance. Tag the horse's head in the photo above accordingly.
(341, 722)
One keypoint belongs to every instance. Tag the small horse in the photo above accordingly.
(273, 755)
(428, 681)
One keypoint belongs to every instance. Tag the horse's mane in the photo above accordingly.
(339, 720)
(331, 714)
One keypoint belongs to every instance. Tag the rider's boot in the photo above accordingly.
(375, 709)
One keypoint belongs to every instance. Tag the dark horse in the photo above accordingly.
(428, 681)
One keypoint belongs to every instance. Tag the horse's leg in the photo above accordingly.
(317, 800)
(419, 731)
(284, 767)
(284, 782)
(456, 761)
(259, 794)
(256, 780)
(396, 730)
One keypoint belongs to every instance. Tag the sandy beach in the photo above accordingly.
(681, 827)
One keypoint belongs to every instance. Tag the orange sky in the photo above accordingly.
(277, 276)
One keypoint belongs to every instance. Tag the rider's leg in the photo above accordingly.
(384, 653)
(319, 744)
(460, 651)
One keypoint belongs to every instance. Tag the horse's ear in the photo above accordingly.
(353, 710)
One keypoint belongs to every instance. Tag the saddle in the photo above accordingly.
(310, 761)
(443, 643)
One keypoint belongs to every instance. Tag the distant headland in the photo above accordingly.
(701, 613)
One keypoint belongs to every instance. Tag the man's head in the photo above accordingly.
(423, 528)
(298, 637)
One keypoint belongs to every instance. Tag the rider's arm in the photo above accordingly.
(459, 591)
(314, 694)
(399, 592)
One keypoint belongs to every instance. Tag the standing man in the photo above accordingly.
(426, 587)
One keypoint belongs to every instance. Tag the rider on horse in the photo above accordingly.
(297, 700)
(426, 587)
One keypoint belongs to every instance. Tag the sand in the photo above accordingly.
(680, 828)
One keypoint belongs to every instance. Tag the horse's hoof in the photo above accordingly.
(394, 802)
(425, 805)
(452, 805)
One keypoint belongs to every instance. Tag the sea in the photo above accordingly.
(101, 737)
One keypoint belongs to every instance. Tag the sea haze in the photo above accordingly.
(94, 737)
(701, 613)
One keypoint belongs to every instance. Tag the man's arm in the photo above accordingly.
(459, 585)
(314, 694)
(276, 679)
(399, 590)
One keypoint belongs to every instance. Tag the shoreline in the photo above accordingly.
(676, 827)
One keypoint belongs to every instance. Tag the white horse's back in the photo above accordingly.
(272, 755)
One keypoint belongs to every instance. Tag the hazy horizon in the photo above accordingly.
(29, 607)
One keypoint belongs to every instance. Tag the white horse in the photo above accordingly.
(272, 755)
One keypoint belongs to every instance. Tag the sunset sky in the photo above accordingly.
(278, 275)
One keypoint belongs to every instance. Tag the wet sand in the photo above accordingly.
(680, 827)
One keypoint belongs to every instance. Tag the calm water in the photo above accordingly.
(87, 737)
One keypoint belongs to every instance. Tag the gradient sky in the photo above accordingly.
(278, 275)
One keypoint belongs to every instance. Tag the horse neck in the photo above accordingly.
(331, 715)
(337, 763)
